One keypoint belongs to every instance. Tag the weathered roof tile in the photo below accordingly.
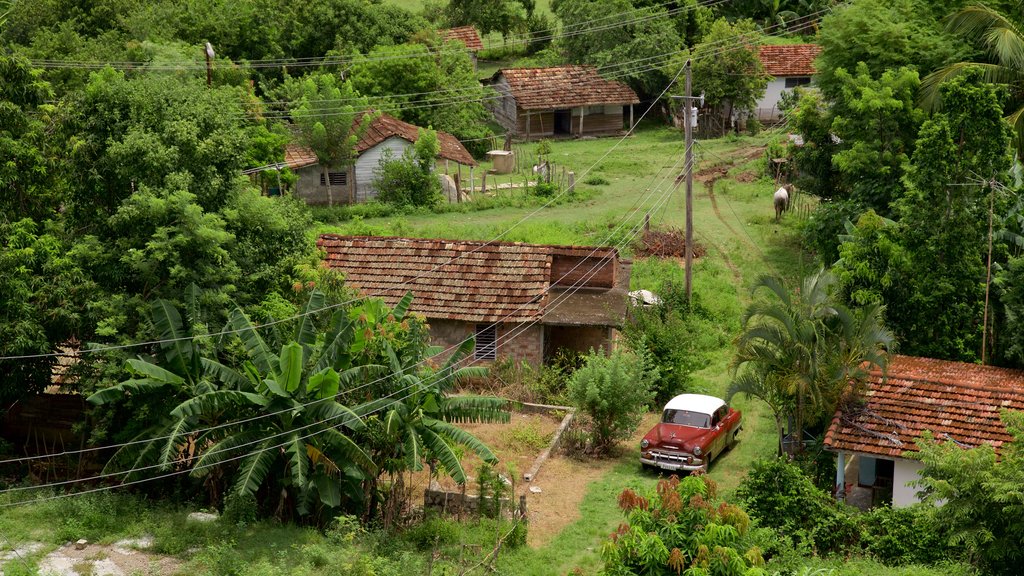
(789, 59)
(564, 87)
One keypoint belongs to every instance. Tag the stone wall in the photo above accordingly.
(513, 340)
(459, 504)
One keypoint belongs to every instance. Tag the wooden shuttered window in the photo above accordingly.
(336, 178)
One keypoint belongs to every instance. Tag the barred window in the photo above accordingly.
(336, 178)
(486, 342)
(799, 81)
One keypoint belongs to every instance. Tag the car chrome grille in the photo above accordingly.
(672, 457)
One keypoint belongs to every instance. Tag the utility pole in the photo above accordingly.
(688, 131)
(209, 65)
(689, 121)
(988, 274)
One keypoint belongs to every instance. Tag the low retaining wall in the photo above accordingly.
(570, 412)
(462, 504)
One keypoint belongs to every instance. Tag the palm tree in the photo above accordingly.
(800, 351)
(1004, 42)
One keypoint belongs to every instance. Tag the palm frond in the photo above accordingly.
(259, 353)
(298, 461)
(324, 384)
(154, 372)
(473, 409)
(402, 307)
(413, 449)
(217, 402)
(334, 415)
(172, 446)
(444, 453)
(460, 436)
(346, 447)
(336, 343)
(305, 332)
(230, 447)
(167, 322)
(224, 374)
(290, 362)
(118, 391)
(254, 469)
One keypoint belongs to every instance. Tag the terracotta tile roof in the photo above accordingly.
(953, 400)
(564, 87)
(465, 34)
(298, 156)
(466, 280)
(789, 59)
(382, 128)
(386, 126)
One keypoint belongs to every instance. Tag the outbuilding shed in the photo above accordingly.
(561, 101)
(789, 66)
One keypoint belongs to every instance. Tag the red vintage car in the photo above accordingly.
(694, 430)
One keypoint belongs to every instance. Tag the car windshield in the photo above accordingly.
(686, 418)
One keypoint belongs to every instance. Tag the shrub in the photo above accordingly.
(410, 180)
(545, 189)
(675, 337)
(822, 229)
(614, 392)
(780, 496)
(596, 180)
(432, 531)
(904, 535)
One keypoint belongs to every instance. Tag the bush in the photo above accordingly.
(432, 531)
(781, 497)
(596, 180)
(674, 336)
(897, 536)
(822, 229)
(545, 189)
(410, 180)
(614, 392)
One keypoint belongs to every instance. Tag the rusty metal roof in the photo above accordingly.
(789, 59)
(954, 400)
(564, 87)
(472, 281)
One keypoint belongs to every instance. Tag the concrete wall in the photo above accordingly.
(308, 187)
(768, 105)
(458, 504)
(369, 161)
(905, 471)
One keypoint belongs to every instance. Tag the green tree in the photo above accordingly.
(885, 35)
(977, 497)
(647, 36)
(809, 345)
(331, 117)
(613, 391)
(1003, 43)
(504, 16)
(877, 122)
(43, 291)
(732, 80)
(432, 80)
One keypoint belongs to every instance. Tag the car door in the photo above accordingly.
(718, 432)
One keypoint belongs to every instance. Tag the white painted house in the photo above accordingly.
(355, 183)
(953, 400)
(789, 66)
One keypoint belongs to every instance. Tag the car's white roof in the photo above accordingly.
(695, 403)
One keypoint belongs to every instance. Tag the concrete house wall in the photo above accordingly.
(514, 341)
(309, 189)
(768, 105)
(904, 472)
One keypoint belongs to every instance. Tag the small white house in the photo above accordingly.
(789, 66)
(953, 400)
(385, 133)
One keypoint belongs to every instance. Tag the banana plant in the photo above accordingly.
(179, 370)
(420, 416)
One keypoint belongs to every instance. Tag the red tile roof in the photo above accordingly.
(789, 59)
(466, 280)
(563, 87)
(383, 127)
(953, 400)
(298, 156)
(465, 34)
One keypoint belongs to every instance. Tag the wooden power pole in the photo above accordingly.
(688, 131)
(209, 64)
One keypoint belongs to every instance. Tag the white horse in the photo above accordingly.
(781, 200)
